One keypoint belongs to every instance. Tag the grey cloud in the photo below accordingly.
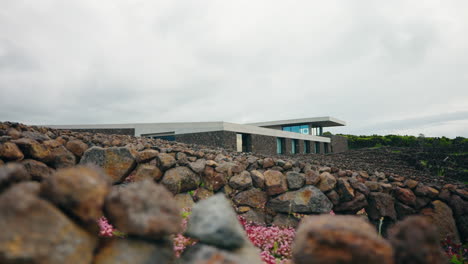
(239, 61)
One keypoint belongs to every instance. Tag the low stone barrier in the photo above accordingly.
(55, 185)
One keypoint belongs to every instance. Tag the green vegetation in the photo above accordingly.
(376, 141)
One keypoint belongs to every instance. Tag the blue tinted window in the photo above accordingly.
(303, 129)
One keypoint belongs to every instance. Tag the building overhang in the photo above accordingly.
(325, 121)
(147, 129)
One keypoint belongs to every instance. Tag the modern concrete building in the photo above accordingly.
(276, 137)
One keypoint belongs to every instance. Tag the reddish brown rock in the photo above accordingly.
(253, 198)
(411, 184)
(406, 196)
(32, 149)
(415, 241)
(258, 179)
(212, 179)
(166, 161)
(146, 172)
(10, 151)
(345, 190)
(180, 179)
(184, 200)
(77, 147)
(202, 194)
(33, 230)
(79, 190)
(143, 209)
(312, 177)
(117, 162)
(268, 163)
(241, 181)
(132, 251)
(339, 239)
(146, 155)
(333, 196)
(229, 168)
(38, 170)
(327, 182)
(275, 182)
(441, 216)
(373, 186)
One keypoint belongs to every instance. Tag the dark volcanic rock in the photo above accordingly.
(345, 190)
(295, 180)
(253, 198)
(117, 162)
(180, 179)
(285, 220)
(34, 231)
(12, 173)
(241, 181)
(144, 209)
(214, 222)
(352, 206)
(38, 170)
(381, 205)
(197, 166)
(306, 200)
(339, 239)
(212, 179)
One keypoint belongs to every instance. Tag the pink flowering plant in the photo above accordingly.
(457, 253)
(180, 241)
(107, 230)
(273, 241)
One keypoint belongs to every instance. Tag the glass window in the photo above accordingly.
(317, 147)
(293, 146)
(306, 147)
(279, 145)
(302, 129)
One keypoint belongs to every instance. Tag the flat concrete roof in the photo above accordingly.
(325, 121)
(197, 127)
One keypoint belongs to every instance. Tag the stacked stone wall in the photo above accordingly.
(38, 166)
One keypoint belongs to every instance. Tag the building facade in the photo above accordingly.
(276, 137)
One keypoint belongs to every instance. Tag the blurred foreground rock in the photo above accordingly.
(328, 239)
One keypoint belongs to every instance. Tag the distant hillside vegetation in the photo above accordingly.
(440, 155)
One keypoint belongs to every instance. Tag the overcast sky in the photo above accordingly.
(381, 66)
